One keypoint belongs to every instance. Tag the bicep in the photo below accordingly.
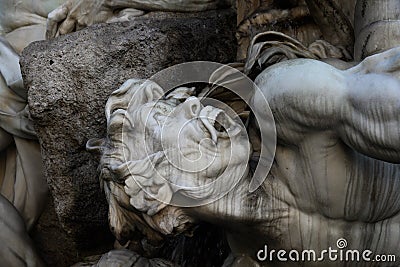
(304, 96)
(307, 96)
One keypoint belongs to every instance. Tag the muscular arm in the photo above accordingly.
(371, 116)
(308, 96)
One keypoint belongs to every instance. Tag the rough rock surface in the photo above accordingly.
(69, 80)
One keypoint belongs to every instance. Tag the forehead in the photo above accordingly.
(153, 113)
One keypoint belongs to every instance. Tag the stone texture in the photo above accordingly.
(56, 247)
(69, 80)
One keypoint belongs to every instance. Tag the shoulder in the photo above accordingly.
(304, 95)
(298, 73)
(300, 82)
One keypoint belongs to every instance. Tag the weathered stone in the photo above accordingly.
(56, 247)
(70, 78)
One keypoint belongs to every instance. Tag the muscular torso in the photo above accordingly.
(324, 175)
(319, 188)
(333, 192)
(316, 193)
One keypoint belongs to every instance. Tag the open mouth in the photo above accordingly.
(218, 123)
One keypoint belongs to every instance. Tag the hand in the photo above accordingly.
(78, 14)
(75, 15)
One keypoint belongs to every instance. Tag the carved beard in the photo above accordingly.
(200, 189)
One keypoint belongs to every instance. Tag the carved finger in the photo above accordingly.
(121, 3)
(53, 19)
(81, 24)
(67, 26)
(126, 15)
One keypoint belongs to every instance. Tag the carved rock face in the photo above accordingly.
(166, 151)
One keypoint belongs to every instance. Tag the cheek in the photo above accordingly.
(236, 152)
(176, 129)
(244, 151)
